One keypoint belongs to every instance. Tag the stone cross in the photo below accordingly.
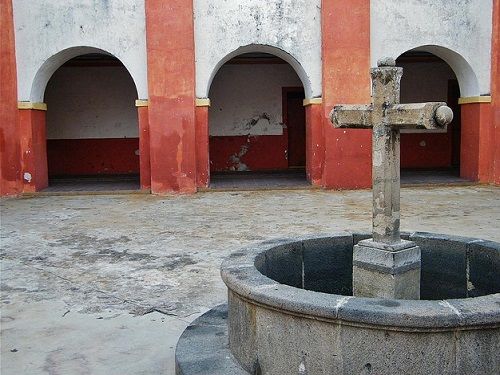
(386, 254)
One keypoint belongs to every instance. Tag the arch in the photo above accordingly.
(467, 78)
(252, 48)
(48, 68)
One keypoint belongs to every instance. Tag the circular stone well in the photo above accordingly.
(291, 311)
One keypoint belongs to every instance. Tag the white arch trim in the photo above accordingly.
(262, 48)
(467, 78)
(49, 66)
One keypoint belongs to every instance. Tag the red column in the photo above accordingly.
(315, 148)
(144, 156)
(171, 80)
(495, 92)
(202, 144)
(10, 162)
(346, 79)
(33, 139)
(476, 136)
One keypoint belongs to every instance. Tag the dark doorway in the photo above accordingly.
(294, 118)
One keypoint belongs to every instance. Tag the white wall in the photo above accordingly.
(291, 29)
(91, 102)
(462, 26)
(44, 28)
(247, 99)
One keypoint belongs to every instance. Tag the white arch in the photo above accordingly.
(467, 78)
(251, 48)
(48, 68)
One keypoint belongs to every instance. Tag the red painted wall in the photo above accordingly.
(475, 154)
(171, 81)
(10, 164)
(202, 147)
(495, 95)
(92, 156)
(425, 150)
(315, 147)
(346, 80)
(144, 155)
(33, 136)
(263, 152)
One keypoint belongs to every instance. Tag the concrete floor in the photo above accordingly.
(106, 284)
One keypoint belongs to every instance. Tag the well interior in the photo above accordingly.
(451, 268)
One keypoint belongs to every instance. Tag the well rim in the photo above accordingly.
(241, 276)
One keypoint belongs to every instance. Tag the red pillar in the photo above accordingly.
(10, 155)
(202, 143)
(476, 136)
(144, 156)
(346, 80)
(33, 139)
(171, 80)
(495, 93)
(315, 148)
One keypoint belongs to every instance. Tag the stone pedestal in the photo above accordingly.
(386, 270)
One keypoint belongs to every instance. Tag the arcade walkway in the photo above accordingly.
(105, 284)
(293, 179)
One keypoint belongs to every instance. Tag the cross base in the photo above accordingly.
(384, 270)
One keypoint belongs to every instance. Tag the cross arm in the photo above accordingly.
(433, 115)
(352, 116)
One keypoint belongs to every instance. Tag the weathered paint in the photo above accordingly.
(50, 32)
(74, 157)
(495, 94)
(459, 33)
(476, 134)
(346, 79)
(202, 147)
(144, 153)
(315, 147)
(247, 127)
(246, 99)
(33, 143)
(289, 29)
(170, 46)
(242, 153)
(10, 164)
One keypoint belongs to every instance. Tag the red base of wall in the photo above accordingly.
(426, 150)
(92, 156)
(248, 153)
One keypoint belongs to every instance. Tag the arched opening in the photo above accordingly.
(430, 156)
(92, 125)
(257, 123)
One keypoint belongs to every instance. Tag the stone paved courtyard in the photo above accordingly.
(106, 284)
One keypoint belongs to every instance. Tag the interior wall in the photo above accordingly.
(424, 82)
(92, 121)
(245, 117)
